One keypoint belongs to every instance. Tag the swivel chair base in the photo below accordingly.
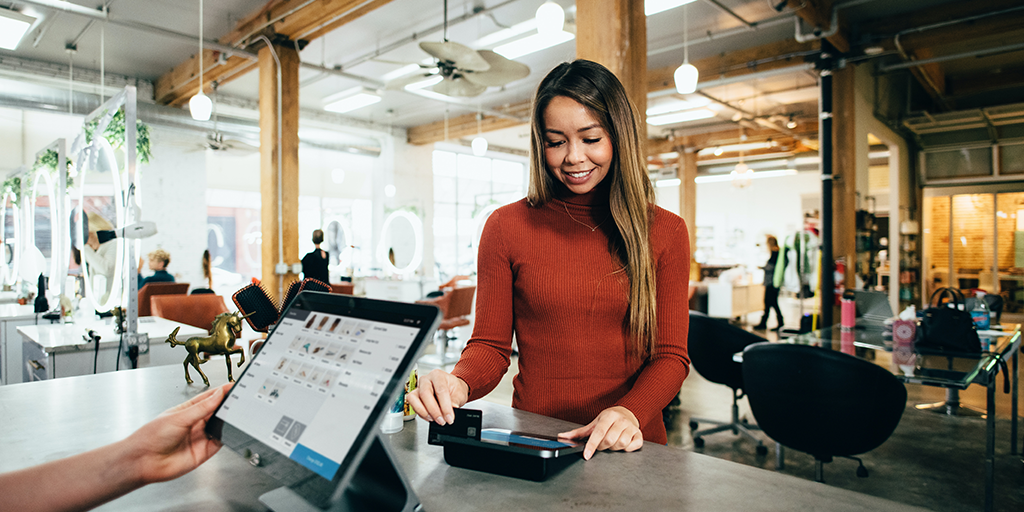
(952, 406)
(737, 426)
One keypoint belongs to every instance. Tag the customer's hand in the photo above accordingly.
(436, 395)
(615, 428)
(175, 442)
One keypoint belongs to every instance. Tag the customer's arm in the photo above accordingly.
(169, 446)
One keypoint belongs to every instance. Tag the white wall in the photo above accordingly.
(741, 217)
(172, 190)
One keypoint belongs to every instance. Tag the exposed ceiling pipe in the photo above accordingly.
(213, 45)
(747, 114)
(954, 56)
(730, 12)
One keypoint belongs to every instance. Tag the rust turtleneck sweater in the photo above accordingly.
(545, 275)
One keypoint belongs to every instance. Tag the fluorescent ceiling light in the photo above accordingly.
(676, 105)
(733, 148)
(674, 182)
(506, 34)
(531, 44)
(656, 6)
(680, 117)
(13, 26)
(352, 99)
(755, 175)
(408, 69)
(426, 82)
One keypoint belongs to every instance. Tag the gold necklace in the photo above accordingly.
(592, 229)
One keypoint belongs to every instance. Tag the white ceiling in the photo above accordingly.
(150, 55)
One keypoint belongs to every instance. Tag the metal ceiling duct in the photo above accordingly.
(21, 95)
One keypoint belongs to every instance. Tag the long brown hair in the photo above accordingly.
(631, 195)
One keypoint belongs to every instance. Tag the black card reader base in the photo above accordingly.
(480, 457)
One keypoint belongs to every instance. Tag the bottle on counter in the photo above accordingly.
(980, 313)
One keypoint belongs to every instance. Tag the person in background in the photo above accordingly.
(207, 269)
(158, 261)
(314, 264)
(99, 254)
(166, 448)
(771, 292)
(587, 273)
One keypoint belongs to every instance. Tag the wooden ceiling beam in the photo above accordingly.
(283, 17)
(466, 125)
(889, 26)
(701, 141)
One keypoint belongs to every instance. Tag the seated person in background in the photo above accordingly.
(168, 447)
(314, 263)
(158, 261)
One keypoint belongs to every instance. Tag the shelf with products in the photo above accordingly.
(910, 264)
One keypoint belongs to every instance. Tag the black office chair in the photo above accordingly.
(822, 402)
(711, 345)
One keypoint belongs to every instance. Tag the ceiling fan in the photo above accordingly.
(215, 140)
(465, 72)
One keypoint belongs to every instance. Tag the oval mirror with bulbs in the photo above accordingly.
(400, 250)
(45, 225)
(98, 190)
(10, 224)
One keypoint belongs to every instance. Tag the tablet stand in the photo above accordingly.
(377, 485)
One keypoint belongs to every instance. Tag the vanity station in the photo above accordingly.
(10, 297)
(406, 290)
(13, 316)
(55, 351)
(734, 299)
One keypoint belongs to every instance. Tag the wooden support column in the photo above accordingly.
(614, 34)
(844, 170)
(686, 170)
(275, 191)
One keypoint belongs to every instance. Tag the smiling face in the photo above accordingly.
(577, 148)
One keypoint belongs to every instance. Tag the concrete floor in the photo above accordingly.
(931, 460)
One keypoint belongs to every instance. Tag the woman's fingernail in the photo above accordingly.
(450, 418)
(439, 420)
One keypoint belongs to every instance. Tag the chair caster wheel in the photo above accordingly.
(693, 425)
(762, 450)
(862, 472)
(698, 442)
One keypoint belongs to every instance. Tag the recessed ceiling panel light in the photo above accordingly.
(656, 6)
(531, 44)
(13, 26)
(352, 99)
(680, 117)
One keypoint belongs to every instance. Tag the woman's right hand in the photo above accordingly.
(436, 395)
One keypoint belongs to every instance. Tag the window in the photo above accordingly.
(467, 189)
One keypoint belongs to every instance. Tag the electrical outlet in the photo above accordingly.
(141, 339)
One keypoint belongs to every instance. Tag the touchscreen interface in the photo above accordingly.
(315, 383)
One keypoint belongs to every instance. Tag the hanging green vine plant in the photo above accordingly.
(12, 185)
(115, 134)
(48, 162)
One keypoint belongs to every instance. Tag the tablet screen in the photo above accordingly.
(316, 382)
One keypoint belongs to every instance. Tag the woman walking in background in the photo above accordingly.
(771, 292)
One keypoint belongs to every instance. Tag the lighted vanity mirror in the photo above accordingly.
(45, 226)
(338, 242)
(400, 250)
(10, 230)
(98, 192)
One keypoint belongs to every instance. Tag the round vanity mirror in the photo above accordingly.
(45, 226)
(98, 212)
(10, 230)
(400, 250)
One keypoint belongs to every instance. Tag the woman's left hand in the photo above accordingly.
(615, 428)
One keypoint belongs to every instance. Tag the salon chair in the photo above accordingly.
(456, 306)
(195, 310)
(152, 289)
(822, 402)
(711, 345)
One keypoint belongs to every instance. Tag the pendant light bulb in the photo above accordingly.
(550, 18)
(479, 146)
(686, 79)
(200, 106)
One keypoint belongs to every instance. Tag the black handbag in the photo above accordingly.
(948, 327)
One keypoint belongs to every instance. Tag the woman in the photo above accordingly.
(571, 270)
(771, 292)
(315, 262)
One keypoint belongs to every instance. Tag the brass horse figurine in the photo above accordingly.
(226, 329)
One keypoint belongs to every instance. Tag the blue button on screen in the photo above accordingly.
(314, 461)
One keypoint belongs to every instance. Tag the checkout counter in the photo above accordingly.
(61, 417)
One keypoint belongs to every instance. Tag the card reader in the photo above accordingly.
(501, 451)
